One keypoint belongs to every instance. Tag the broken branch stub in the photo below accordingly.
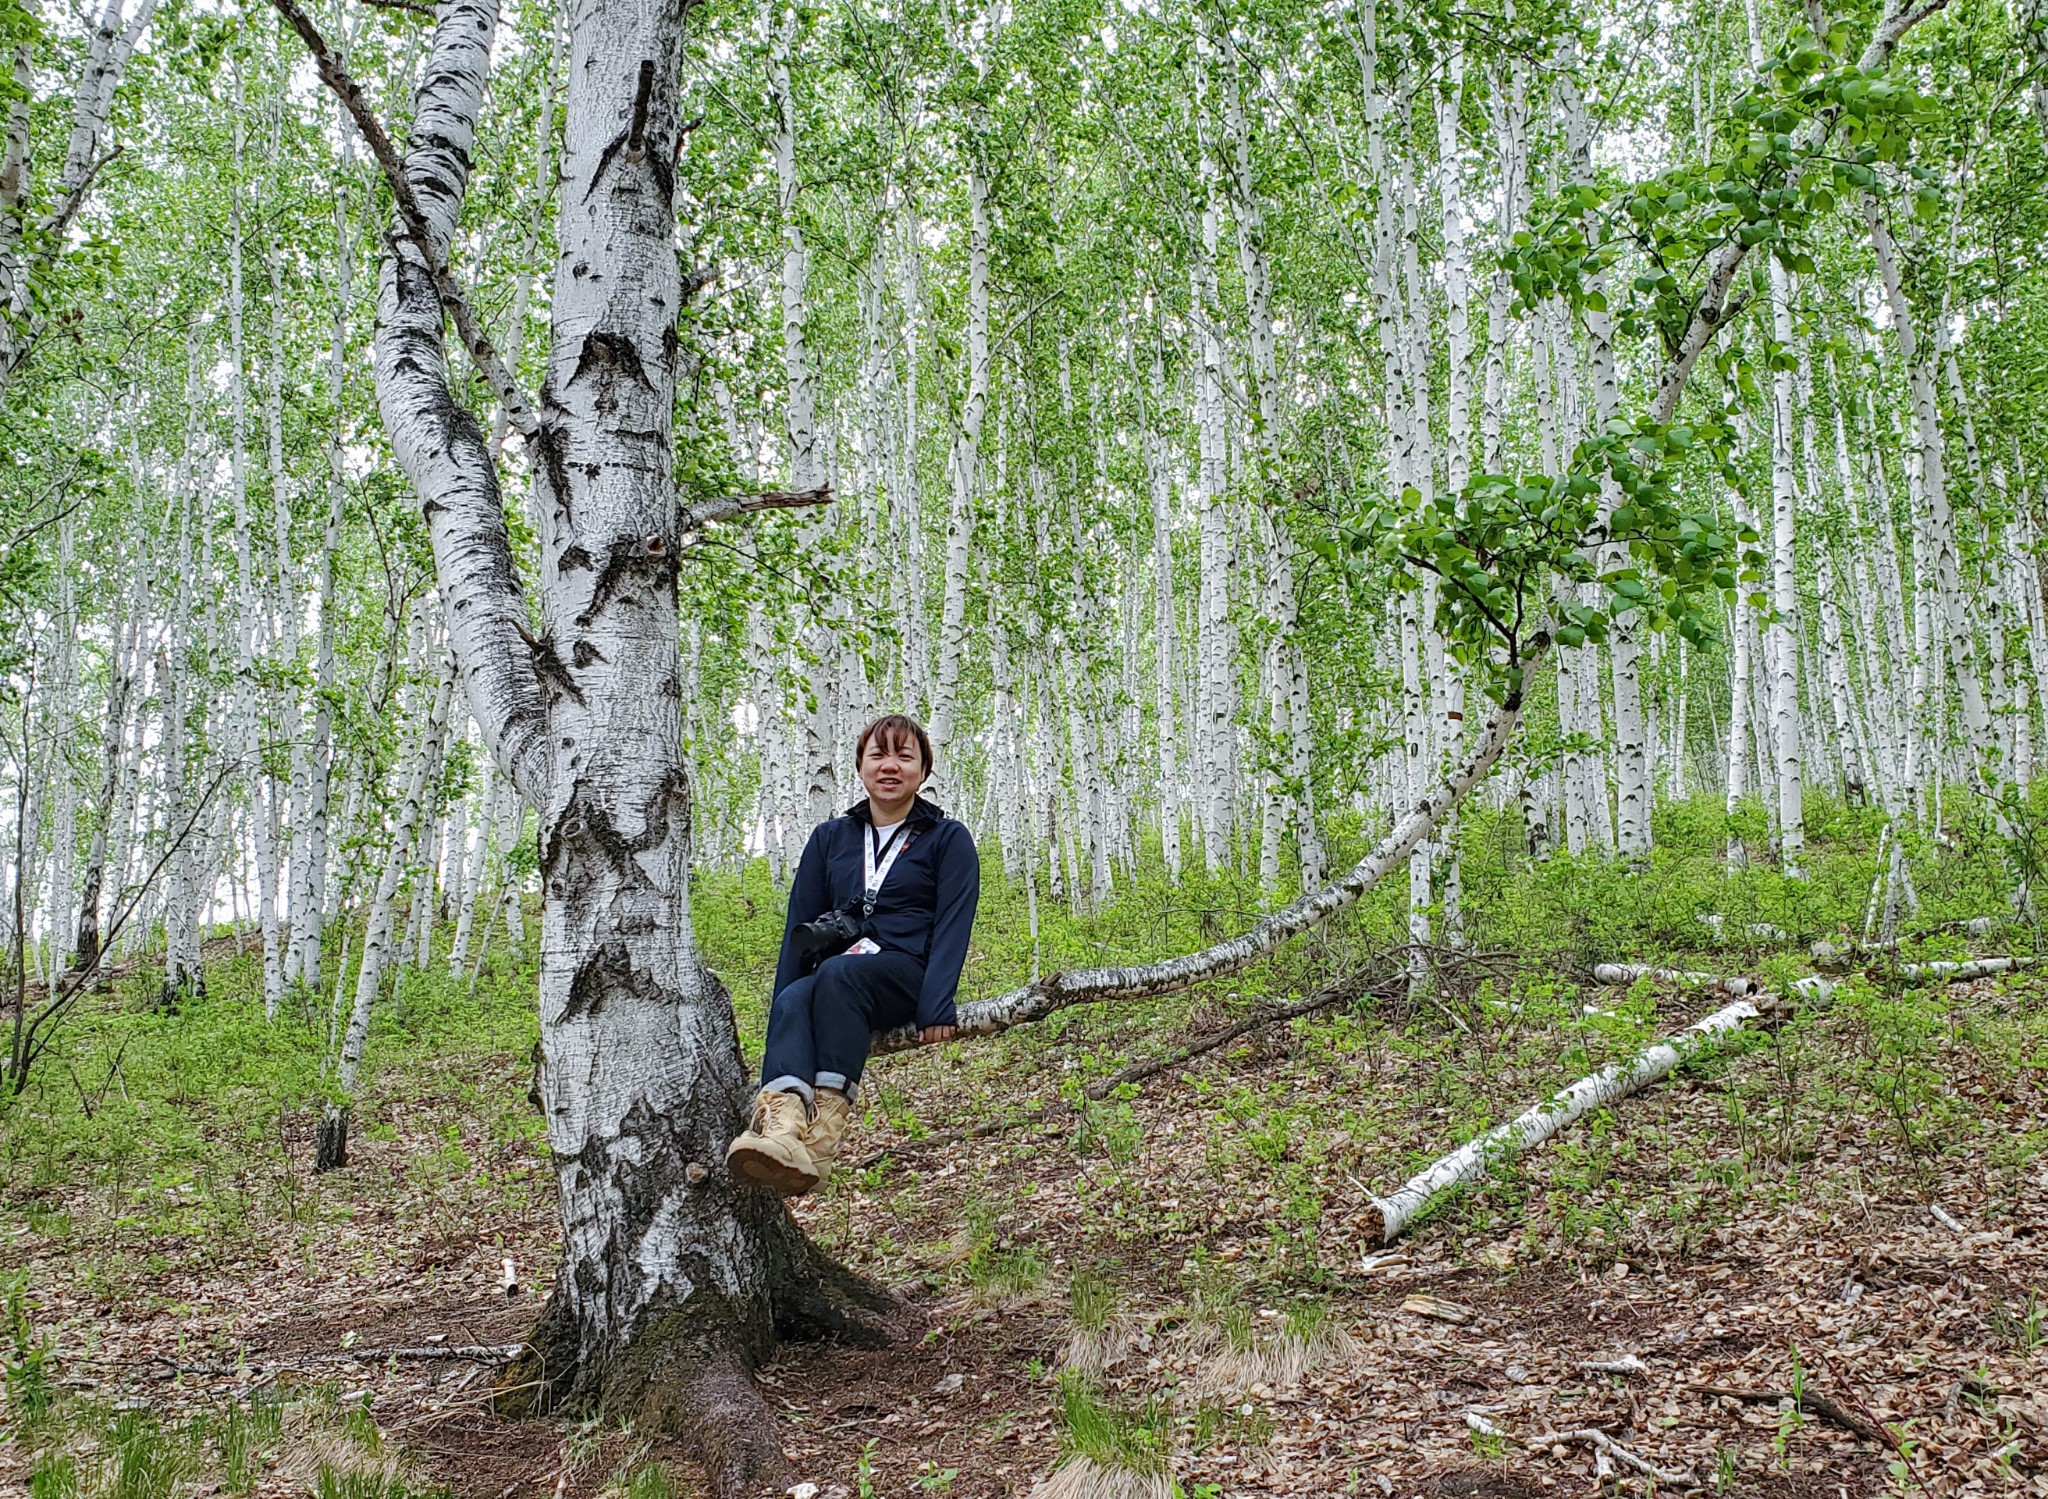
(709, 512)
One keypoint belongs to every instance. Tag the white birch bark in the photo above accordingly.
(1631, 741)
(1164, 620)
(103, 847)
(380, 924)
(313, 755)
(965, 470)
(1215, 639)
(1290, 804)
(673, 1280)
(1787, 731)
(249, 707)
(1958, 637)
(1737, 777)
(108, 49)
(806, 453)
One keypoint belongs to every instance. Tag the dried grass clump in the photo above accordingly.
(1081, 1477)
(1234, 1355)
(315, 1441)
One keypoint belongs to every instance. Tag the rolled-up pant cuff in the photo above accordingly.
(838, 1083)
(796, 1085)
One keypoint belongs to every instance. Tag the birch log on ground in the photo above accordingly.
(1628, 973)
(1390, 1216)
(1962, 972)
(1059, 991)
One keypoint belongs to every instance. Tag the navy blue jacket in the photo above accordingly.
(925, 909)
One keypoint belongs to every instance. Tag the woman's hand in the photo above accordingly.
(931, 1035)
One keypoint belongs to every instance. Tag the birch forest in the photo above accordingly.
(1478, 573)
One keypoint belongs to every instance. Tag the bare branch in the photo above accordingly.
(696, 517)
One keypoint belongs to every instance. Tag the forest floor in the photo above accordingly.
(1850, 1208)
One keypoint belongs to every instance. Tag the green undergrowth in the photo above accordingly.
(308, 1437)
(151, 1134)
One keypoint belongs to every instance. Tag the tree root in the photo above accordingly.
(825, 1302)
(687, 1372)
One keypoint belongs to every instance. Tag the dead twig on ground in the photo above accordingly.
(1808, 1401)
(486, 1353)
(1606, 1450)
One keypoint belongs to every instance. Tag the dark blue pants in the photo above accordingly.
(820, 1027)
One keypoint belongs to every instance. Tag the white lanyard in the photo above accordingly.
(896, 844)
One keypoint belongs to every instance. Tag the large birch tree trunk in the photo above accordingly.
(674, 1278)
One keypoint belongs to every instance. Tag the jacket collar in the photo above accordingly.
(922, 812)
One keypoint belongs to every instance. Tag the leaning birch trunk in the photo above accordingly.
(331, 1145)
(1058, 991)
(112, 42)
(675, 1280)
(1389, 1217)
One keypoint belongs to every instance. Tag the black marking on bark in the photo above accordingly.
(583, 822)
(628, 556)
(583, 654)
(604, 163)
(547, 441)
(609, 973)
(605, 351)
(547, 665)
(636, 133)
(573, 558)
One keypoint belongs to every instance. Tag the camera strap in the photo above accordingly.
(879, 862)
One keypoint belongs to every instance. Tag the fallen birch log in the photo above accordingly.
(1629, 973)
(1388, 1217)
(1963, 972)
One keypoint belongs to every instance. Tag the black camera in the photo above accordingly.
(826, 937)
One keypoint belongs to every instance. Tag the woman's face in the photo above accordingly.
(891, 768)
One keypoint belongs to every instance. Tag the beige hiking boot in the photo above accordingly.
(772, 1153)
(828, 1127)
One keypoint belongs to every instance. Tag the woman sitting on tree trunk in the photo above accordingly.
(877, 932)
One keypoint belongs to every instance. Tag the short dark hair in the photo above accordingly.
(891, 728)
